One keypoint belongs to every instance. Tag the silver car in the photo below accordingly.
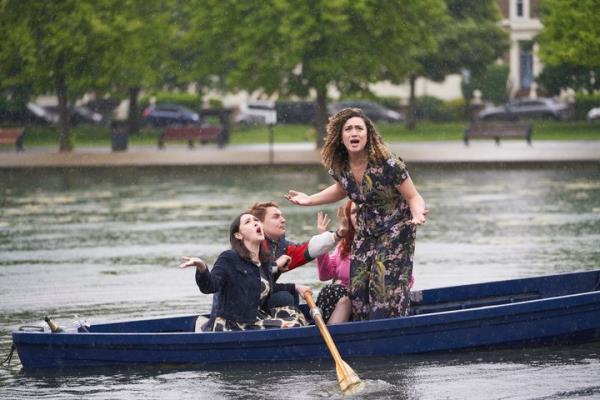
(527, 108)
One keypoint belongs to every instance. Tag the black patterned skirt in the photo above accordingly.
(329, 297)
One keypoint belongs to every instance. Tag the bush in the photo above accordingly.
(583, 104)
(491, 84)
(191, 101)
(393, 103)
(456, 110)
(215, 103)
(433, 109)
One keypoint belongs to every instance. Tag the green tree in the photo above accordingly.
(555, 78)
(470, 39)
(287, 47)
(142, 34)
(571, 32)
(53, 46)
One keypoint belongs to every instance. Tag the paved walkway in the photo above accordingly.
(303, 154)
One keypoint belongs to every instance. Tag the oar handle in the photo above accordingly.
(316, 314)
(309, 299)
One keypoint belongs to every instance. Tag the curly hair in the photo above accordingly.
(334, 154)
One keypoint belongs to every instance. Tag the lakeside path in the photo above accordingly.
(302, 154)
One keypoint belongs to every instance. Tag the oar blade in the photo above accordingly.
(348, 380)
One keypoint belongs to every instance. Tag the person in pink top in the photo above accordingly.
(333, 299)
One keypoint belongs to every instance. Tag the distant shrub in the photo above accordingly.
(393, 103)
(192, 101)
(456, 110)
(215, 103)
(491, 84)
(583, 104)
(436, 110)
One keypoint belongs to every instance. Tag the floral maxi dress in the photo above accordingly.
(383, 248)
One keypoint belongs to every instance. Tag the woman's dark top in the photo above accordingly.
(238, 281)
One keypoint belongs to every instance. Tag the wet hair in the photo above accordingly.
(346, 242)
(238, 246)
(259, 210)
(334, 154)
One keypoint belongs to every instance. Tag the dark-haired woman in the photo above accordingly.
(389, 209)
(243, 276)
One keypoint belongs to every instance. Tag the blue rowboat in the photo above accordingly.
(545, 310)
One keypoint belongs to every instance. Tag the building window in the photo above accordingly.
(520, 9)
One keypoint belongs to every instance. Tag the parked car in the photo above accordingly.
(374, 111)
(594, 114)
(256, 113)
(296, 112)
(527, 108)
(169, 114)
(39, 114)
(78, 115)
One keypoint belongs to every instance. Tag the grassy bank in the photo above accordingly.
(425, 131)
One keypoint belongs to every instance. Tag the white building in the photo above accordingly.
(521, 20)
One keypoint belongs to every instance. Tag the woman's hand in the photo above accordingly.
(283, 263)
(322, 222)
(298, 198)
(419, 217)
(193, 262)
(301, 289)
(343, 222)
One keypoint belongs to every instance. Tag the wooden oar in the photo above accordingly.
(347, 379)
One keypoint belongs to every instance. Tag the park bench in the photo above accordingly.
(192, 133)
(13, 136)
(497, 130)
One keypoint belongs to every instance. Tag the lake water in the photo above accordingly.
(103, 244)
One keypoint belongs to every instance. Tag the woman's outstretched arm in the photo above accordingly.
(416, 203)
(328, 195)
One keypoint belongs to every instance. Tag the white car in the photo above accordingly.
(594, 114)
(256, 112)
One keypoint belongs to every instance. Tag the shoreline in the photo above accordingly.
(449, 152)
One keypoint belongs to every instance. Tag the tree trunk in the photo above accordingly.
(133, 118)
(468, 111)
(64, 139)
(322, 116)
(411, 120)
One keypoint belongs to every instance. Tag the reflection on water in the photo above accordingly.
(102, 244)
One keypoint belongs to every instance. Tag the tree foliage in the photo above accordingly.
(52, 45)
(571, 32)
(142, 34)
(276, 47)
(288, 47)
(470, 39)
(555, 78)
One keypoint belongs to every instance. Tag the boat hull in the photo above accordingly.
(520, 319)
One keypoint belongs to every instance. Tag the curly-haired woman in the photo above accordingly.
(389, 209)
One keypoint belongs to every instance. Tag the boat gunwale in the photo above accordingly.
(346, 330)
